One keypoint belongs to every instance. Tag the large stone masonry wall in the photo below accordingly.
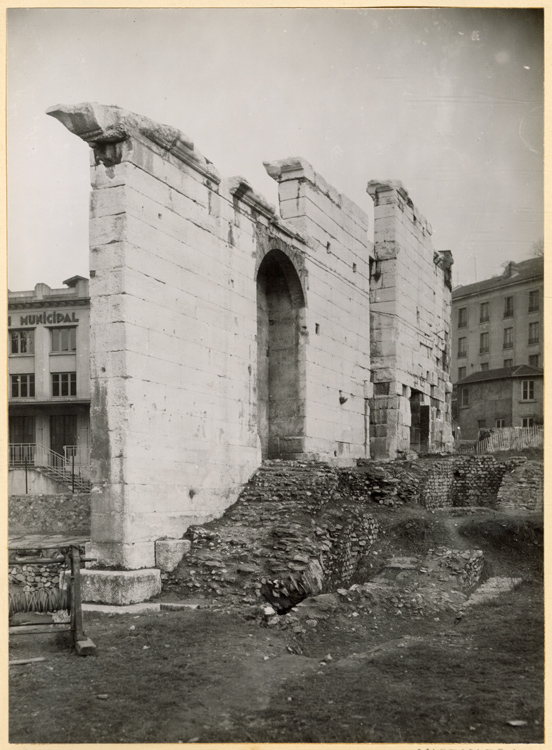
(174, 255)
(410, 328)
(337, 315)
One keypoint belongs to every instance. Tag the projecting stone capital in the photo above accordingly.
(293, 168)
(375, 187)
(100, 124)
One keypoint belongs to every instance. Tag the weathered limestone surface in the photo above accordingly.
(223, 333)
(337, 266)
(174, 256)
(169, 552)
(410, 329)
(120, 587)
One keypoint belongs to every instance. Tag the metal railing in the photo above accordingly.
(21, 454)
(71, 468)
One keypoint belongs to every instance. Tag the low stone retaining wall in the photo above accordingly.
(523, 487)
(49, 514)
(476, 481)
(459, 481)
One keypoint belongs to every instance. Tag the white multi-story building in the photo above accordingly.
(49, 386)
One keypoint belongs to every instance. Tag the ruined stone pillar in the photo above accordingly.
(173, 326)
(410, 298)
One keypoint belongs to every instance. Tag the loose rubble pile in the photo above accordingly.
(405, 586)
(302, 528)
(261, 548)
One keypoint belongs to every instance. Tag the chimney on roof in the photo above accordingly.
(510, 269)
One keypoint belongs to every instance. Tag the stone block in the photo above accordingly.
(169, 552)
(120, 586)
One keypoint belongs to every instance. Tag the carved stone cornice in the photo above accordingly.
(34, 304)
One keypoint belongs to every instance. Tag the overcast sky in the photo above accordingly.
(449, 101)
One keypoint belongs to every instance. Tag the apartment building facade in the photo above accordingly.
(498, 323)
(497, 350)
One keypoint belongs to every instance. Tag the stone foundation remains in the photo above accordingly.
(523, 488)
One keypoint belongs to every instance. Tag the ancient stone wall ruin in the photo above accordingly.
(410, 329)
(522, 487)
(220, 333)
(223, 332)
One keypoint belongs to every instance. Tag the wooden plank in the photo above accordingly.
(45, 541)
(47, 561)
(34, 561)
(29, 629)
(27, 661)
(79, 635)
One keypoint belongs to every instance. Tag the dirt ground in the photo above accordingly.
(362, 674)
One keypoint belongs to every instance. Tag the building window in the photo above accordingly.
(500, 423)
(508, 338)
(533, 333)
(481, 424)
(508, 307)
(461, 373)
(22, 342)
(23, 386)
(534, 301)
(483, 312)
(508, 363)
(464, 397)
(528, 422)
(534, 360)
(462, 347)
(462, 317)
(64, 384)
(484, 366)
(527, 390)
(483, 342)
(64, 339)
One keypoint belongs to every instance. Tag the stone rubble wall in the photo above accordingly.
(33, 577)
(522, 487)
(442, 482)
(477, 480)
(300, 528)
(49, 514)
(288, 537)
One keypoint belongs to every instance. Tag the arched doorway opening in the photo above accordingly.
(280, 357)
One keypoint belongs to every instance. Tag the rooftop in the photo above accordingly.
(513, 274)
(503, 373)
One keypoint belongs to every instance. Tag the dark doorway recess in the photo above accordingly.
(280, 357)
(419, 423)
